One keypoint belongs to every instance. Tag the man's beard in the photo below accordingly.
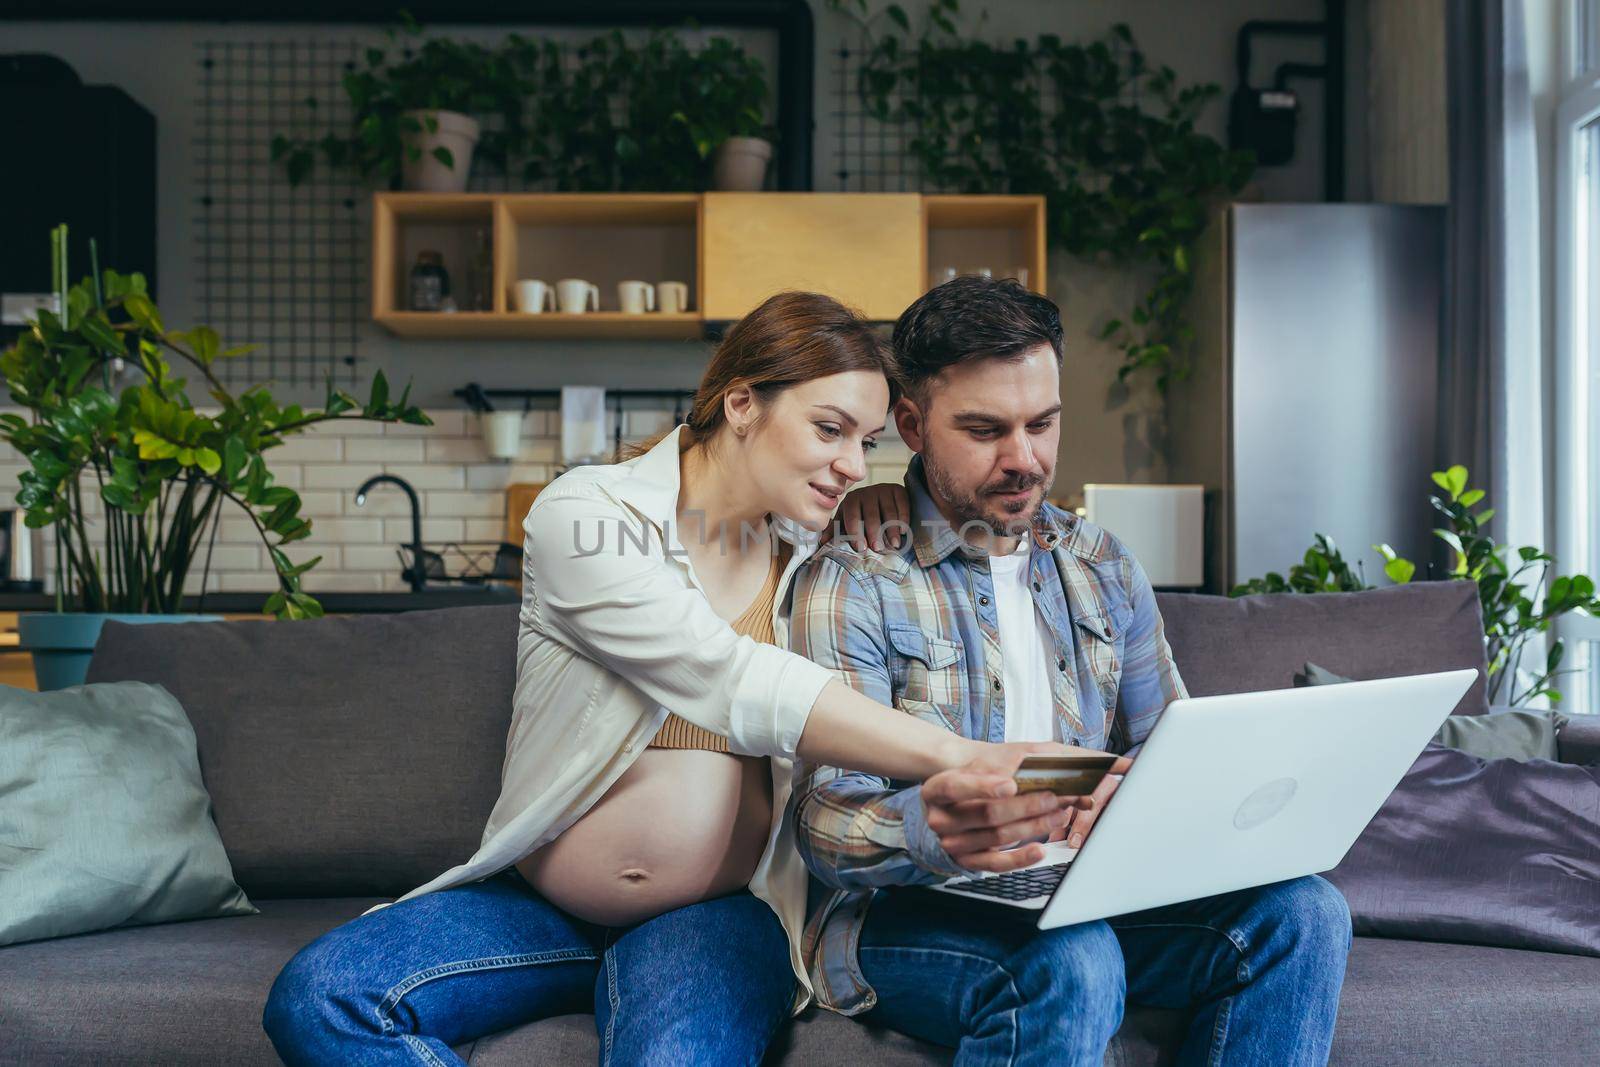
(973, 507)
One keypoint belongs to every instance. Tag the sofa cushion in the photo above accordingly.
(1249, 643)
(355, 755)
(180, 993)
(192, 993)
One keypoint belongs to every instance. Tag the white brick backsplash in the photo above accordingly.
(423, 476)
(446, 423)
(540, 450)
(348, 530)
(371, 558)
(230, 558)
(319, 502)
(484, 530)
(455, 450)
(237, 530)
(384, 450)
(384, 500)
(490, 476)
(398, 531)
(246, 583)
(332, 476)
(297, 448)
(465, 505)
(286, 474)
(342, 582)
(300, 551)
(646, 423)
(346, 426)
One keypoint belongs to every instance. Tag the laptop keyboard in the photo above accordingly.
(1026, 884)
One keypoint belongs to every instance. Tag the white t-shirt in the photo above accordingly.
(1025, 650)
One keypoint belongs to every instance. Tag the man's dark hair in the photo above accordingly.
(971, 317)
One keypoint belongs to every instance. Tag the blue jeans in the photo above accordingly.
(1260, 969)
(708, 983)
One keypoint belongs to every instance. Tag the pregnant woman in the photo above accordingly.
(637, 863)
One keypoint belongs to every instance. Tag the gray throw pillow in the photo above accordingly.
(1508, 734)
(105, 821)
(1488, 852)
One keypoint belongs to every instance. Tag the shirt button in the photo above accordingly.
(984, 601)
(1072, 741)
(1061, 664)
(997, 683)
(1036, 587)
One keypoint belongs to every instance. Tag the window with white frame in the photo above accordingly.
(1578, 343)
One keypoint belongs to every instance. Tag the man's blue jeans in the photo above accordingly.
(1260, 969)
(709, 983)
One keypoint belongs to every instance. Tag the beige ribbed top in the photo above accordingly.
(755, 623)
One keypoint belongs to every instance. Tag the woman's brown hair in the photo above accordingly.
(791, 338)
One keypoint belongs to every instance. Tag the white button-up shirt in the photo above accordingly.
(616, 631)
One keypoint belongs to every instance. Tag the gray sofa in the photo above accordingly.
(349, 759)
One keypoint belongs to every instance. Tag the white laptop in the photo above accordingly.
(1236, 791)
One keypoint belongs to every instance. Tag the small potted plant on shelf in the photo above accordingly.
(723, 100)
(161, 471)
(416, 117)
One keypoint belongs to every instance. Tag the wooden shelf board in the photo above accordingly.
(512, 324)
(980, 211)
(602, 209)
(439, 207)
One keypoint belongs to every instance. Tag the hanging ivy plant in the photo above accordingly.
(1106, 137)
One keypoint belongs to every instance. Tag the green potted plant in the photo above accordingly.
(723, 97)
(1509, 589)
(416, 115)
(162, 470)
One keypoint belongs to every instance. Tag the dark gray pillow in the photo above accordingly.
(1502, 734)
(1488, 852)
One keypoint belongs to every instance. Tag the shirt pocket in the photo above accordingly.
(927, 670)
(1098, 643)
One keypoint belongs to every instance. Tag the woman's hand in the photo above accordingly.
(865, 513)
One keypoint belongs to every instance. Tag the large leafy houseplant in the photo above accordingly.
(1108, 138)
(162, 470)
(1509, 588)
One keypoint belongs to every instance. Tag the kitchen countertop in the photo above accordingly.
(332, 603)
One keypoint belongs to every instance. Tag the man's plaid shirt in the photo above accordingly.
(917, 629)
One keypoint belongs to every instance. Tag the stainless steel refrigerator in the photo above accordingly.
(1311, 407)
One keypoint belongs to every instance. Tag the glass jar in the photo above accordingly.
(430, 283)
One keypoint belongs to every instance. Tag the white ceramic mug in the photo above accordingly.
(635, 298)
(674, 297)
(533, 296)
(575, 296)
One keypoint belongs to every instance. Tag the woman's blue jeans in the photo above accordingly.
(705, 984)
(1259, 972)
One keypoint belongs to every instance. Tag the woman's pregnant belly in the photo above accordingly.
(680, 826)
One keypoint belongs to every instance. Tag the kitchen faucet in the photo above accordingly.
(417, 573)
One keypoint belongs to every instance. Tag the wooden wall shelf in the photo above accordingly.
(876, 252)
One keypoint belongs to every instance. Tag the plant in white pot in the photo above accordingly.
(416, 117)
(162, 471)
(722, 99)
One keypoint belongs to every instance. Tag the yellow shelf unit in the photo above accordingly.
(876, 252)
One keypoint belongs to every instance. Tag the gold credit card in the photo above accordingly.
(1066, 776)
